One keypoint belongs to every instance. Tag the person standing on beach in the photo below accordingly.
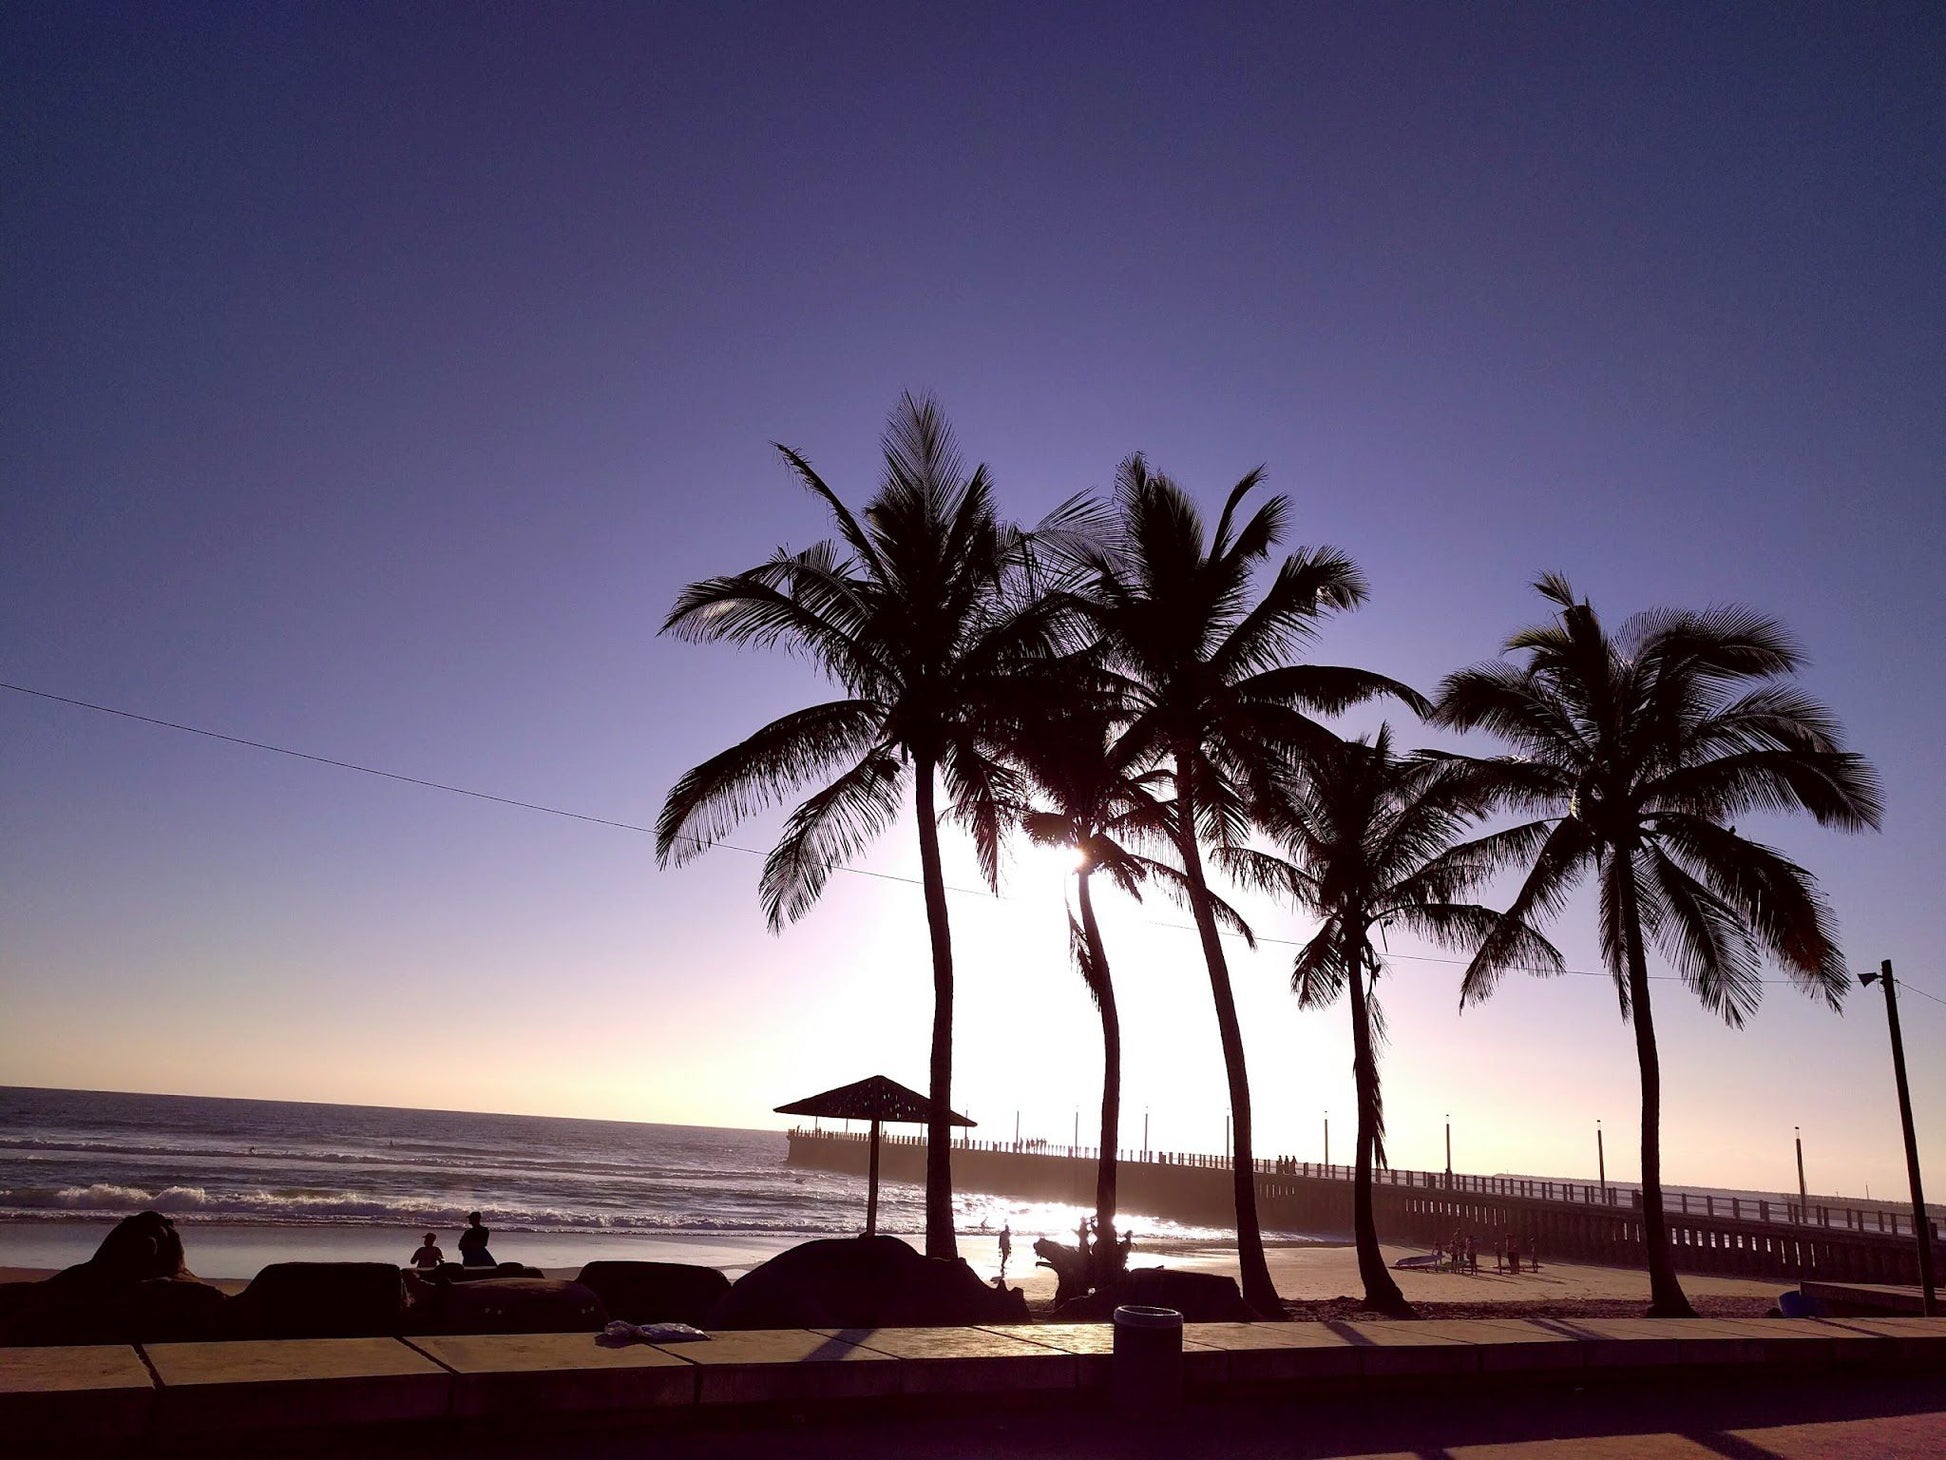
(1006, 1246)
(473, 1243)
(428, 1256)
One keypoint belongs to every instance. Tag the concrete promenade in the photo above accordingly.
(178, 1394)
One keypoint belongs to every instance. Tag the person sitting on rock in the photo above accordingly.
(473, 1243)
(429, 1255)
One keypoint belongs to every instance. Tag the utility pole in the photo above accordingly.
(1803, 1199)
(1449, 1148)
(1921, 1221)
(1601, 1162)
(1327, 1143)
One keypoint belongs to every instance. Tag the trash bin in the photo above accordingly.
(1148, 1360)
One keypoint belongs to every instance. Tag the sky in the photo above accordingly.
(372, 377)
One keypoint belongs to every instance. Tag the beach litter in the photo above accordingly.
(620, 1333)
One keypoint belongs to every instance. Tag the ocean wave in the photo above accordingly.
(410, 1156)
(192, 1204)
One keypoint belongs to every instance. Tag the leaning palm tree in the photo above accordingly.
(1638, 750)
(1215, 700)
(923, 612)
(1089, 797)
(1371, 842)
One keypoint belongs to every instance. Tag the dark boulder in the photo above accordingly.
(507, 1305)
(321, 1300)
(655, 1292)
(1201, 1297)
(140, 1248)
(862, 1282)
(135, 1289)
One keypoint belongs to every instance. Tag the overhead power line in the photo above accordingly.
(630, 826)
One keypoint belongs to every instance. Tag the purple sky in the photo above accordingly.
(374, 376)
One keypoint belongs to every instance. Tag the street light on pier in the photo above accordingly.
(1803, 1198)
(1449, 1148)
(1921, 1220)
(1327, 1143)
(1601, 1162)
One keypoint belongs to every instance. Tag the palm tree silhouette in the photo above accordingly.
(1090, 797)
(1371, 843)
(923, 613)
(1637, 750)
(1215, 699)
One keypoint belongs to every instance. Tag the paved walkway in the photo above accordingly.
(1857, 1419)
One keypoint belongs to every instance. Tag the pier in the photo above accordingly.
(1564, 1221)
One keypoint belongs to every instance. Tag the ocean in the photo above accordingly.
(255, 1181)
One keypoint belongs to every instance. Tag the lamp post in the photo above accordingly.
(1145, 1133)
(1921, 1222)
(1803, 1199)
(1449, 1148)
(1601, 1162)
(1327, 1143)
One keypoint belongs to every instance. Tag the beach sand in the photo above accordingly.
(1313, 1277)
(1311, 1273)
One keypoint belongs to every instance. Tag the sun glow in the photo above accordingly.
(1041, 864)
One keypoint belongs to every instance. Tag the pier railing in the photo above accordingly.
(1756, 1236)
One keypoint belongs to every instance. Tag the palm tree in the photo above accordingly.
(922, 612)
(1215, 700)
(1637, 751)
(1370, 838)
(1092, 799)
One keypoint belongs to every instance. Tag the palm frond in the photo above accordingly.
(1560, 861)
(709, 801)
(829, 829)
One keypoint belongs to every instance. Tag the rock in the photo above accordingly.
(140, 1248)
(655, 1292)
(135, 1289)
(321, 1300)
(508, 1305)
(862, 1282)
(1201, 1297)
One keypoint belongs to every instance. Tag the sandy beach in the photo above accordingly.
(1313, 1277)
(1320, 1273)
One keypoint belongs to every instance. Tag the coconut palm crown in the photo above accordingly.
(1639, 750)
(1086, 794)
(1215, 696)
(1371, 841)
(922, 611)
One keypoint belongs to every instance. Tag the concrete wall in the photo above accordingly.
(1200, 1191)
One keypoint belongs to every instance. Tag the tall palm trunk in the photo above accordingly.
(940, 1241)
(1381, 1290)
(1666, 1299)
(1258, 1290)
(1111, 1071)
